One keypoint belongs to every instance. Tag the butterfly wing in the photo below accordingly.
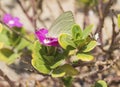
(62, 24)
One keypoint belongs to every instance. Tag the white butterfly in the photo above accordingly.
(62, 24)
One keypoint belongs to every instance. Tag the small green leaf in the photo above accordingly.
(76, 32)
(66, 42)
(7, 52)
(85, 56)
(69, 70)
(56, 64)
(118, 20)
(100, 83)
(8, 56)
(3, 58)
(4, 38)
(64, 70)
(14, 39)
(80, 43)
(91, 45)
(40, 67)
(22, 44)
(87, 31)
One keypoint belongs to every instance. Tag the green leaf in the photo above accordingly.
(56, 64)
(39, 62)
(100, 83)
(22, 44)
(14, 38)
(54, 60)
(7, 52)
(69, 70)
(87, 31)
(80, 43)
(76, 32)
(85, 56)
(36, 52)
(3, 58)
(8, 56)
(118, 20)
(40, 67)
(4, 38)
(91, 45)
(64, 70)
(59, 58)
(62, 24)
(66, 42)
(50, 60)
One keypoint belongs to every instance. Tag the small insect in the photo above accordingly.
(62, 24)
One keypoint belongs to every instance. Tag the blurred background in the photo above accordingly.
(35, 14)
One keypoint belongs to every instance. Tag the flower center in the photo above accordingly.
(46, 41)
(11, 22)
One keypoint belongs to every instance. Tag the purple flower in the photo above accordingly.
(48, 41)
(12, 21)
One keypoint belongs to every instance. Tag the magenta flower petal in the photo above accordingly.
(6, 18)
(53, 42)
(12, 21)
(41, 34)
(48, 41)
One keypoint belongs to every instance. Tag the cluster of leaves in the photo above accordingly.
(49, 60)
(12, 44)
(79, 42)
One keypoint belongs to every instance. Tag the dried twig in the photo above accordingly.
(25, 12)
(33, 3)
(102, 14)
(52, 15)
(60, 6)
(113, 35)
